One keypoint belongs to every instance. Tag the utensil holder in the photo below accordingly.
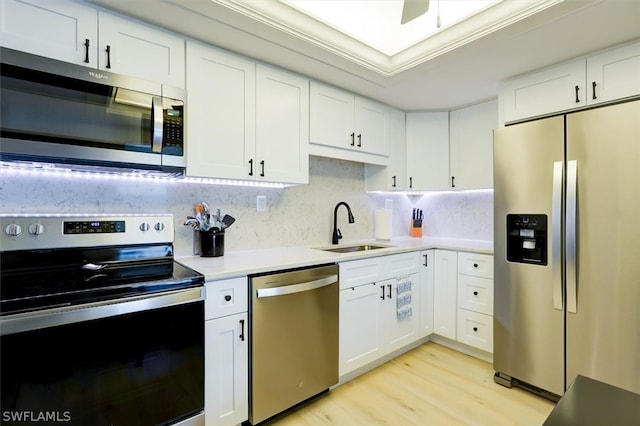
(211, 243)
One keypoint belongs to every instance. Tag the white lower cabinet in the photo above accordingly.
(475, 300)
(371, 322)
(427, 279)
(445, 293)
(226, 352)
(359, 324)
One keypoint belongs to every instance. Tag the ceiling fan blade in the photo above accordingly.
(412, 9)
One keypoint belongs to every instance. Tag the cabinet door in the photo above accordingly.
(221, 114)
(543, 92)
(57, 29)
(426, 293)
(428, 151)
(471, 145)
(445, 294)
(614, 74)
(359, 339)
(139, 50)
(331, 116)
(391, 177)
(371, 124)
(226, 370)
(398, 331)
(282, 126)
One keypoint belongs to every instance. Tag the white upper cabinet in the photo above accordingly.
(75, 32)
(614, 74)
(282, 126)
(60, 29)
(428, 151)
(139, 50)
(220, 114)
(471, 145)
(355, 125)
(553, 89)
(603, 77)
(245, 122)
(394, 176)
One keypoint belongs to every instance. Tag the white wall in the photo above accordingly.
(300, 215)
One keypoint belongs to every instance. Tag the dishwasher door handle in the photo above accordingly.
(297, 288)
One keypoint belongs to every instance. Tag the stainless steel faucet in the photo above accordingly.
(337, 235)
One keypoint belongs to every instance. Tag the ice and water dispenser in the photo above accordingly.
(527, 238)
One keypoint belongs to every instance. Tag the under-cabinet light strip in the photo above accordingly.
(44, 170)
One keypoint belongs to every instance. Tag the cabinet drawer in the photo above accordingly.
(400, 264)
(477, 265)
(226, 297)
(475, 330)
(475, 294)
(358, 272)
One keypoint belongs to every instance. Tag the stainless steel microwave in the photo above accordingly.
(60, 113)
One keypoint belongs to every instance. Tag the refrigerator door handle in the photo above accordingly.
(571, 259)
(556, 236)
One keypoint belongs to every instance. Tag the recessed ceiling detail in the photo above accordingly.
(377, 23)
(344, 27)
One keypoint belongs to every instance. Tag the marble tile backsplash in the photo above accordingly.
(299, 215)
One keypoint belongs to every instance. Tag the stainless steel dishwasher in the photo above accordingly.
(294, 338)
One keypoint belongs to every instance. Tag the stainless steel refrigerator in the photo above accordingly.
(567, 250)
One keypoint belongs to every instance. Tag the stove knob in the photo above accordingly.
(36, 229)
(13, 230)
(144, 227)
(159, 226)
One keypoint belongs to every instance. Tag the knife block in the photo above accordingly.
(416, 228)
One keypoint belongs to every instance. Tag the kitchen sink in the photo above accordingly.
(351, 249)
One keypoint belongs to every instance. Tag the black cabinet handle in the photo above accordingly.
(227, 297)
(262, 165)
(108, 50)
(453, 181)
(389, 285)
(242, 330)
(359, 140)
(410, 182)
(251, 167)
(86, 50)
(577, 97)
(593, 86)
(353, 139)
(426, 258)
(382, 288)
(394, 182)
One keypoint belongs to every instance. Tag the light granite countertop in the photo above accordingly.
(245, 262)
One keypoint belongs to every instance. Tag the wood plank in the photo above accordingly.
(430, 385)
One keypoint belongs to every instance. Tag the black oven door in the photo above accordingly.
(139, 362)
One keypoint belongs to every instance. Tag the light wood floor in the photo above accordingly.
(430, 385)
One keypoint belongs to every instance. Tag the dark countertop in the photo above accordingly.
(589, 402)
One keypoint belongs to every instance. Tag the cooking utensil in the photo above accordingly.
(227, 221)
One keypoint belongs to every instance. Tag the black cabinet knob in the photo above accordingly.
(227, 298)
(475, 265)
(475, 293)
(475, 329)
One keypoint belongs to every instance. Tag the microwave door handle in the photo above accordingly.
(157, 122)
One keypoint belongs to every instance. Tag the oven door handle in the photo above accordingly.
(72, 314)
